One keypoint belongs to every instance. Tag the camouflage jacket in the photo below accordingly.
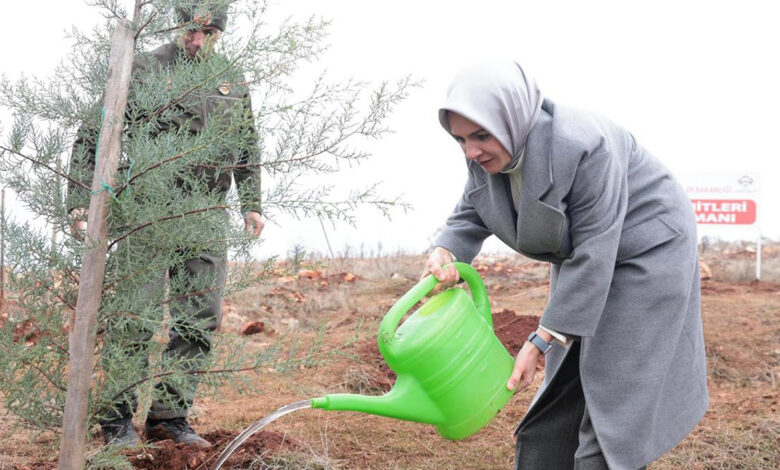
(190, 113)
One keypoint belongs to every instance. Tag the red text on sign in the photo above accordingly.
(724, 211)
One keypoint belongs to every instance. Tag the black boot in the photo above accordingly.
(176, 429)
(120, 432)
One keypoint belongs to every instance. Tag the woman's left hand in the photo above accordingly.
(525, 367)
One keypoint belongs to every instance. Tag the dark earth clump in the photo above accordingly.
(168, 455)
(513, 329)
(379, 374)
(172, 456)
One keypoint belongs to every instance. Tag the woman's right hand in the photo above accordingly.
(525, 367)
(440, 263)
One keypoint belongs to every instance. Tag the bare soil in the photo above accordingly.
(347, 298)
(167, 454)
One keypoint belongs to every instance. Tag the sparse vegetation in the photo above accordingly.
(742, 330)
(169, 204)
(293, 461)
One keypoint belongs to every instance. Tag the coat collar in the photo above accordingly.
(535, 229)
(537, 168)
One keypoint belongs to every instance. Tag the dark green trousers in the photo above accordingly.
(196, 313)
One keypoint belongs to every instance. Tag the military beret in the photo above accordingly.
(203, 13)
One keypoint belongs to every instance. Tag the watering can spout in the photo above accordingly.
(407, 401)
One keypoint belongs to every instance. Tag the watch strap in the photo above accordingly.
(540, 343)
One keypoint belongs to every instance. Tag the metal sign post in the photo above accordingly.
(758, 256)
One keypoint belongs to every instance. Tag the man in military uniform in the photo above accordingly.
(167, 418)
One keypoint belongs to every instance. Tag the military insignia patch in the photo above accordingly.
(225, 88)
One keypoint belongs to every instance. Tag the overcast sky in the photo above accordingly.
(697, 83)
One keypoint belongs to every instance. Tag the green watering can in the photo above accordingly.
(452, 369)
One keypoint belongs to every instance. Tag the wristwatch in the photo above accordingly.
(540, 344)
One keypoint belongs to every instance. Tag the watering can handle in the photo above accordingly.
(426, 285)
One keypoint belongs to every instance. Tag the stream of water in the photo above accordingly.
(256, 427)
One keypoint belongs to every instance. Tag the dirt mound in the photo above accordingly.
(512, 330)
(505, 270)
(717, 288)
(171, 456)
(379, 375)
(740, 288)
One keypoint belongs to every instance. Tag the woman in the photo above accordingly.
(625, 377)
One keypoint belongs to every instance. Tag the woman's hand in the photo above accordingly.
(525, 367)
(440, 264)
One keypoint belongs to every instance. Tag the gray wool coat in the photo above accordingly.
(621, 236)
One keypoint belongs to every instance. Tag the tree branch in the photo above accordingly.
(44, 374)
(174, 28)
(39, 163)
(34, 423)
(48, 379)
(147, 170)
(174, 158)
(198, 85)
(164, 219)
(211, 372)
(143, 26)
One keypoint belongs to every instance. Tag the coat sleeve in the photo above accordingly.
(83, 154)
(82, 166)
(597, 208)
(247, 172)
(464, 230)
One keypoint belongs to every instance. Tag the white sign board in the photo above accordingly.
(726, 199)
(723, 198)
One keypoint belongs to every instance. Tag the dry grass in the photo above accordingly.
(736, 262)
(742, 427)
(742, 329)
(362, 380)
(294, 461)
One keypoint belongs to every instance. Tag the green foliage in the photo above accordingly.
(108, 458)
(165, 207)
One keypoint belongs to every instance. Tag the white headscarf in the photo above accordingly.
(501, 98)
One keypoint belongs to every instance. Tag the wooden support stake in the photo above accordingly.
(82, 337)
